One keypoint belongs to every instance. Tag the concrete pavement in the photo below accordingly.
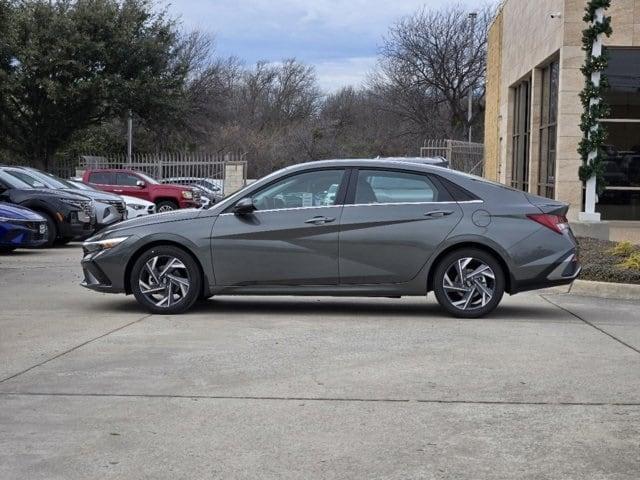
(91, 386)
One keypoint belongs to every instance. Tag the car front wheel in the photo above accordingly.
(469, 283)
(166, 280)
(166, 206)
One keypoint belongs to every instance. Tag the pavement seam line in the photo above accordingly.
(592, 325)
(72, 349)
(321, 399)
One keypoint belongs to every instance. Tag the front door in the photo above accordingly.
(391, 225)
(291, 238)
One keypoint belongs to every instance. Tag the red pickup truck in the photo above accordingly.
(137, 184)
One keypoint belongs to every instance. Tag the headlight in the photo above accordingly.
(106, 244)
(187, 194)
(135, 206)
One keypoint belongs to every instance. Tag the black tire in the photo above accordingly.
(497, 284)
(4, 250)
(52, 230)
(63, 240)
(166, 206)
(191, 272)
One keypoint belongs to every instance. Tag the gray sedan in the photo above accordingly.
(343, 227)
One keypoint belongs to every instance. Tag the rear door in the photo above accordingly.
(104, 180)
(392, 222)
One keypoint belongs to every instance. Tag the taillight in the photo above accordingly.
(557, 223)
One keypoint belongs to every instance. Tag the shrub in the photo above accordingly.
(623, 249)
(632, 262)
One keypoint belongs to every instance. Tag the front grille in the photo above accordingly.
(87, 208)
(196, 196)
(118, 204)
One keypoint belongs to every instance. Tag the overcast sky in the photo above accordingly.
(340, 38)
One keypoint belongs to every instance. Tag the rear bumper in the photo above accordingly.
(562, 272)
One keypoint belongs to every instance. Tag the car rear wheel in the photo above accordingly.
(166, 280)
(469, 283)
(166, 206)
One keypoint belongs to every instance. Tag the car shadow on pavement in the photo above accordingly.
(349, 306)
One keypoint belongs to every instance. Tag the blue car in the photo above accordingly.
(20, 228)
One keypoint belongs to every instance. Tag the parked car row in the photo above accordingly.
(40, 209)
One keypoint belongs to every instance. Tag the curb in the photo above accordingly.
(588, 288)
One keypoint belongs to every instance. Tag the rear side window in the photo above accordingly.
(102, 178)
(382, 186)
(127, 179)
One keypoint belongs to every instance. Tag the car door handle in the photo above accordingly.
(438, 213)
(319, 220)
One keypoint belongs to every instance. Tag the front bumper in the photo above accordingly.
(104, 270)
(30, 234)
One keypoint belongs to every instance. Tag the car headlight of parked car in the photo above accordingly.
(187, 194)
(136, 206)
(92, 246)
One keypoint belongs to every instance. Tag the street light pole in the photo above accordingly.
(472, 20)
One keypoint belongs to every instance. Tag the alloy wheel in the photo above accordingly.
(469, 283)
(165, 208)
(164, 280)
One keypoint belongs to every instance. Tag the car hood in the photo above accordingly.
(128, 199)
(158, 218)
(18, 213)
(46, 193)
(97, 196)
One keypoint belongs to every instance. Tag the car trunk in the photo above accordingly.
(546, 205)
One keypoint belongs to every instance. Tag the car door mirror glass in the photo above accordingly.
(244, 206)
(140, 184)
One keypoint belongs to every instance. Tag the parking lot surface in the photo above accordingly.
(91, 386)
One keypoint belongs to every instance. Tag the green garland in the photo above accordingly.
(593, 134)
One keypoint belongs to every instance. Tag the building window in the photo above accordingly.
(621, 200)
(548, 129)
(520, 136)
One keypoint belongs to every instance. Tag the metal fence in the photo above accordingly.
(466, 157)
(166, 165)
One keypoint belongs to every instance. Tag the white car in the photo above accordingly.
(137, 207)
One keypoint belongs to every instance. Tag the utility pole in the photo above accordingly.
(472, 21)
(129, 136)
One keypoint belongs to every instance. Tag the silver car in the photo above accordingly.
(344, 227)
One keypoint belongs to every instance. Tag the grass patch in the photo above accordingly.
(605, 261)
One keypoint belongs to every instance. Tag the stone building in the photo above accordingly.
(533, 108)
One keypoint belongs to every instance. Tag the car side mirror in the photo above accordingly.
(244, 206)
(140, 184)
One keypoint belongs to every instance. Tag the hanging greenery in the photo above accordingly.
(593, 133)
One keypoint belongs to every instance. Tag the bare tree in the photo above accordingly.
(429, 63)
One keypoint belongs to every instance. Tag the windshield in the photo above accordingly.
(52, 180)
(13, 182)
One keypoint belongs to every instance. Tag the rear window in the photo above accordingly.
(379, 186)
(102, 178)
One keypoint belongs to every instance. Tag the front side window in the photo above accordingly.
(378, 186)
(310, 189)
(127, 180)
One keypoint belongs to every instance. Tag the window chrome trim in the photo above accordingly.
(358, 205)
(289, 209)
(411, 203)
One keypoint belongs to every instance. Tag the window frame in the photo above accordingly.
(521, 134)
(353, 182)
(548, 129)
